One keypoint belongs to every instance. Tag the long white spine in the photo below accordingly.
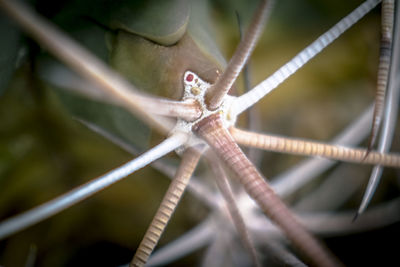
(46, 210)
(265, 87)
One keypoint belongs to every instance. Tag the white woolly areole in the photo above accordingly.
(196, 88)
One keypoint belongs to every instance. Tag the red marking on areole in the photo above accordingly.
(189, 78)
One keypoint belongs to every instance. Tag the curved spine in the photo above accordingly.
(389, 118)
(385, 55)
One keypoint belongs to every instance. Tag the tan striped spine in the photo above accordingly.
(219, 139)
(217, 92)
(383, 67)
(311, 148)
(167, 207)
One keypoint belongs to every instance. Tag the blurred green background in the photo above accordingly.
(44, 152)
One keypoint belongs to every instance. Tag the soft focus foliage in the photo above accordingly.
(44, 151)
